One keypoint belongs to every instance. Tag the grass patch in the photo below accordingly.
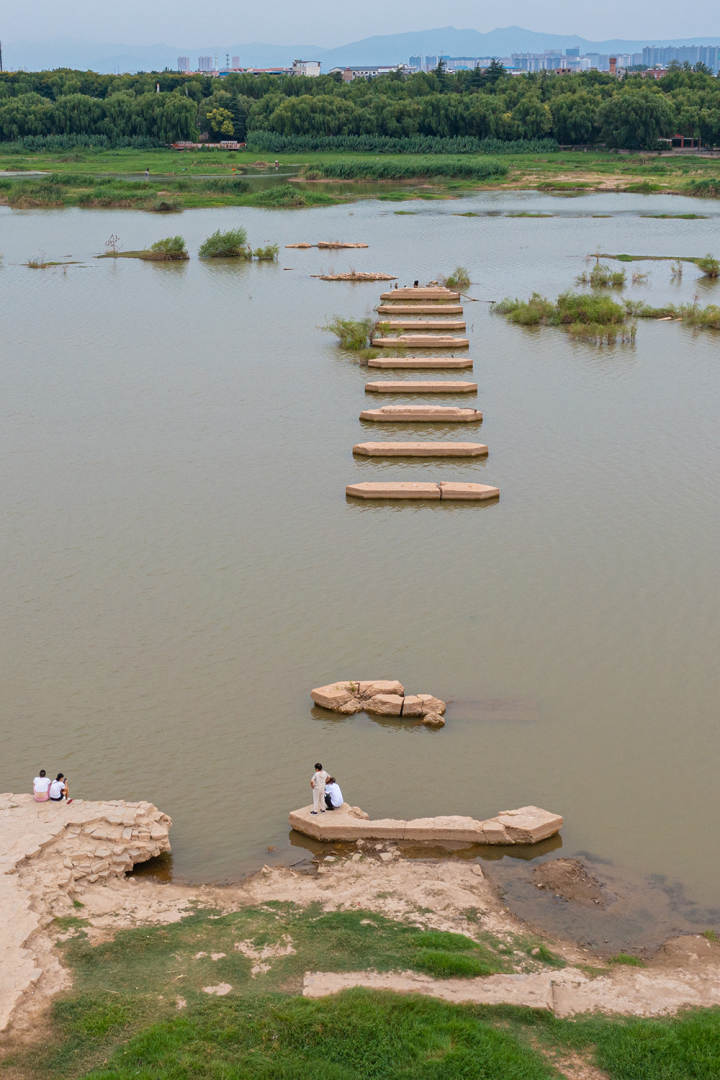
(627, 960)
(355, 1036)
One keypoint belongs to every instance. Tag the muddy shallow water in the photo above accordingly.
(181, 564)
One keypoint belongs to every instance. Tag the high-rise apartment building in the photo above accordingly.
(183, 63)
(205, 63)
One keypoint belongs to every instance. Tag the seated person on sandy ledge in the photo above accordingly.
(333, 794)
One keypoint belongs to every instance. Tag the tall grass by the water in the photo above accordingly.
(389, 144)
(602, 277)
(399, 169)
(593, 317)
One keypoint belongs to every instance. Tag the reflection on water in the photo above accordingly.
(182, 566)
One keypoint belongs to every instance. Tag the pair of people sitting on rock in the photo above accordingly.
(47, 790)
(326, 791)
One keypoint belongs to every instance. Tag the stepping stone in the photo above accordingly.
(428, 292)
(421, 341)
(424, 324)
(408, 489)
(420, 449)
(442, 414)
(389, 386)
(420, 363)
(420, 309)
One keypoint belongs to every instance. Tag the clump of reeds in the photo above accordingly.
(710, 266)
(353, 334)
(225, 245)
(458, 280)
(269, 253)
(602, 277)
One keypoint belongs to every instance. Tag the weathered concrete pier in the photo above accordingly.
(426, 292)
(390, 386)
(437, 414)
(421, 363)
(444, 491)
(420, 341)
(420, 449)
(526, 825)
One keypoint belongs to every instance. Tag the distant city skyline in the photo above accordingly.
(385, 49)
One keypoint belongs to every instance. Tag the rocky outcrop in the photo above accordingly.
(382, 697)
(526, 825)
(48, 853)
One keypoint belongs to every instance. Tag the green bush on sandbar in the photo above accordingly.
(225, 245)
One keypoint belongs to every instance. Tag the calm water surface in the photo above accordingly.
(181, 564)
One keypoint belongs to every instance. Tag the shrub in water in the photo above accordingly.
(170, 248)
(709, 266)
(267, 254)
(458, 280)
(225, 245)
(352, 334)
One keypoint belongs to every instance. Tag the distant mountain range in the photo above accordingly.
(381, 49)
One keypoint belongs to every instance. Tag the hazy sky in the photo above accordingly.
(327, 22)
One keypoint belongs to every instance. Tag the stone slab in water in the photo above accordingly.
(452, 414)
(526, 825)
(421, 341)
(415, 489)
(420, 309)
(420, 449)
(428, 292)
(421, 363)
(391, 386)
(424, 324)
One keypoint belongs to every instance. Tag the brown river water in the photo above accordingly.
(180, 563)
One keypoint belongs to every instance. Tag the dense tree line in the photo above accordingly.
(585, 108)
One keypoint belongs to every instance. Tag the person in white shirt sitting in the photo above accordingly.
(41, 786)
(59, 789)
(333, 794)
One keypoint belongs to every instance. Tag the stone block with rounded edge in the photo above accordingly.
(385, 704)
(433, 719)
(430, 703)
(423, 324)
(336, 696)
(412, 705)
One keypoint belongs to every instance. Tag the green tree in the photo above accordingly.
(635, 120)
(220, 123)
